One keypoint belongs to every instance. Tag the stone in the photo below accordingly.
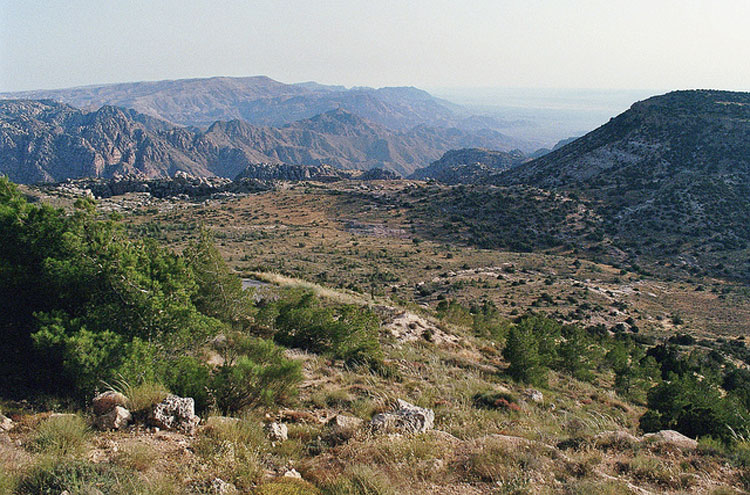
(176, 414)
(6, 424)
(105, 402)
(407, 418)
(344, 426)
(221, 487)
(671, 437)
(277, 432)
(293, 473)
(533, 395)
(116, 419)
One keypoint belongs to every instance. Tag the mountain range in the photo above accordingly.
(50, 141)
(262, 101)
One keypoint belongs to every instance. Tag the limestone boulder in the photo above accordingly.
(107, 401)
(176, 414)
(116, 419)
(673, 438)
(406, 418)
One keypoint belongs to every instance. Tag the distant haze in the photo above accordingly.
(667, 44)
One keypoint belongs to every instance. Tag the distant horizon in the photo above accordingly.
(432, 89)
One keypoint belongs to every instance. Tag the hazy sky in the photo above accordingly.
(666, 44)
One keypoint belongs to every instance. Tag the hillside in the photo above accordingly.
(469, 165)
(48, 141)
(263, 101)
(670, 178)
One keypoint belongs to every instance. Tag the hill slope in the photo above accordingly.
(468, 165)
(48, 141)
(671, 175)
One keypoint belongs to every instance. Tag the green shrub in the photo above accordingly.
(188, 376)
(142, 396)
(346, 332)
(61, 436)
(695, 408)
(87, 303)
(256, 372)
(497, 400)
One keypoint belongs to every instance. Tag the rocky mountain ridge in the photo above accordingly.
(45, 141)
(263, 101)
(469, 165)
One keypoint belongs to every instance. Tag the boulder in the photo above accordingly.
(116, 419)
(175, 413)
(6, 424)
(673, 438)
(105, 402)
(277, 432)
(407, 418)
(344, 426)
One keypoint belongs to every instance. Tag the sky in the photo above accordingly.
(605, 44)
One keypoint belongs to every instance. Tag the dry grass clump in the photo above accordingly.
(360, 479)
(287, 486)
(61, 436)
(137, 456)
(232, 450)
(141, 397)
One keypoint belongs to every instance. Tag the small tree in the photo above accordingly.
(522, 352)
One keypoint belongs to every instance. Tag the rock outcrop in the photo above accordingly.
(115, 419)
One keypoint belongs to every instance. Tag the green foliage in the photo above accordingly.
(347, 332)
(255, 372)
(695, 408)
(522, 352)
(85, 303)
(220, 294)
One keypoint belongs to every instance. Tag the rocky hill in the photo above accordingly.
(469, 165)
(670, 176)
(262, 101)
(45, 141)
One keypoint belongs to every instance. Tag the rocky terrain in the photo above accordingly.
(43, 141)
(469, 166)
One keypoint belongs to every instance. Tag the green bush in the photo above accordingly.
(345, 332)
(255, 372)
(522, 352)
(695, 408)
(87, 303)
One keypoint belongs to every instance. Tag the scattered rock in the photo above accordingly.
(344, 426)
(116, 419)
(105, 402)
(277, 432)
(221, 487)
(408, 418)
(671, 437)
(175, 413)
(409, 327)
(6, 424)
(293, 473)
(533, 395)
